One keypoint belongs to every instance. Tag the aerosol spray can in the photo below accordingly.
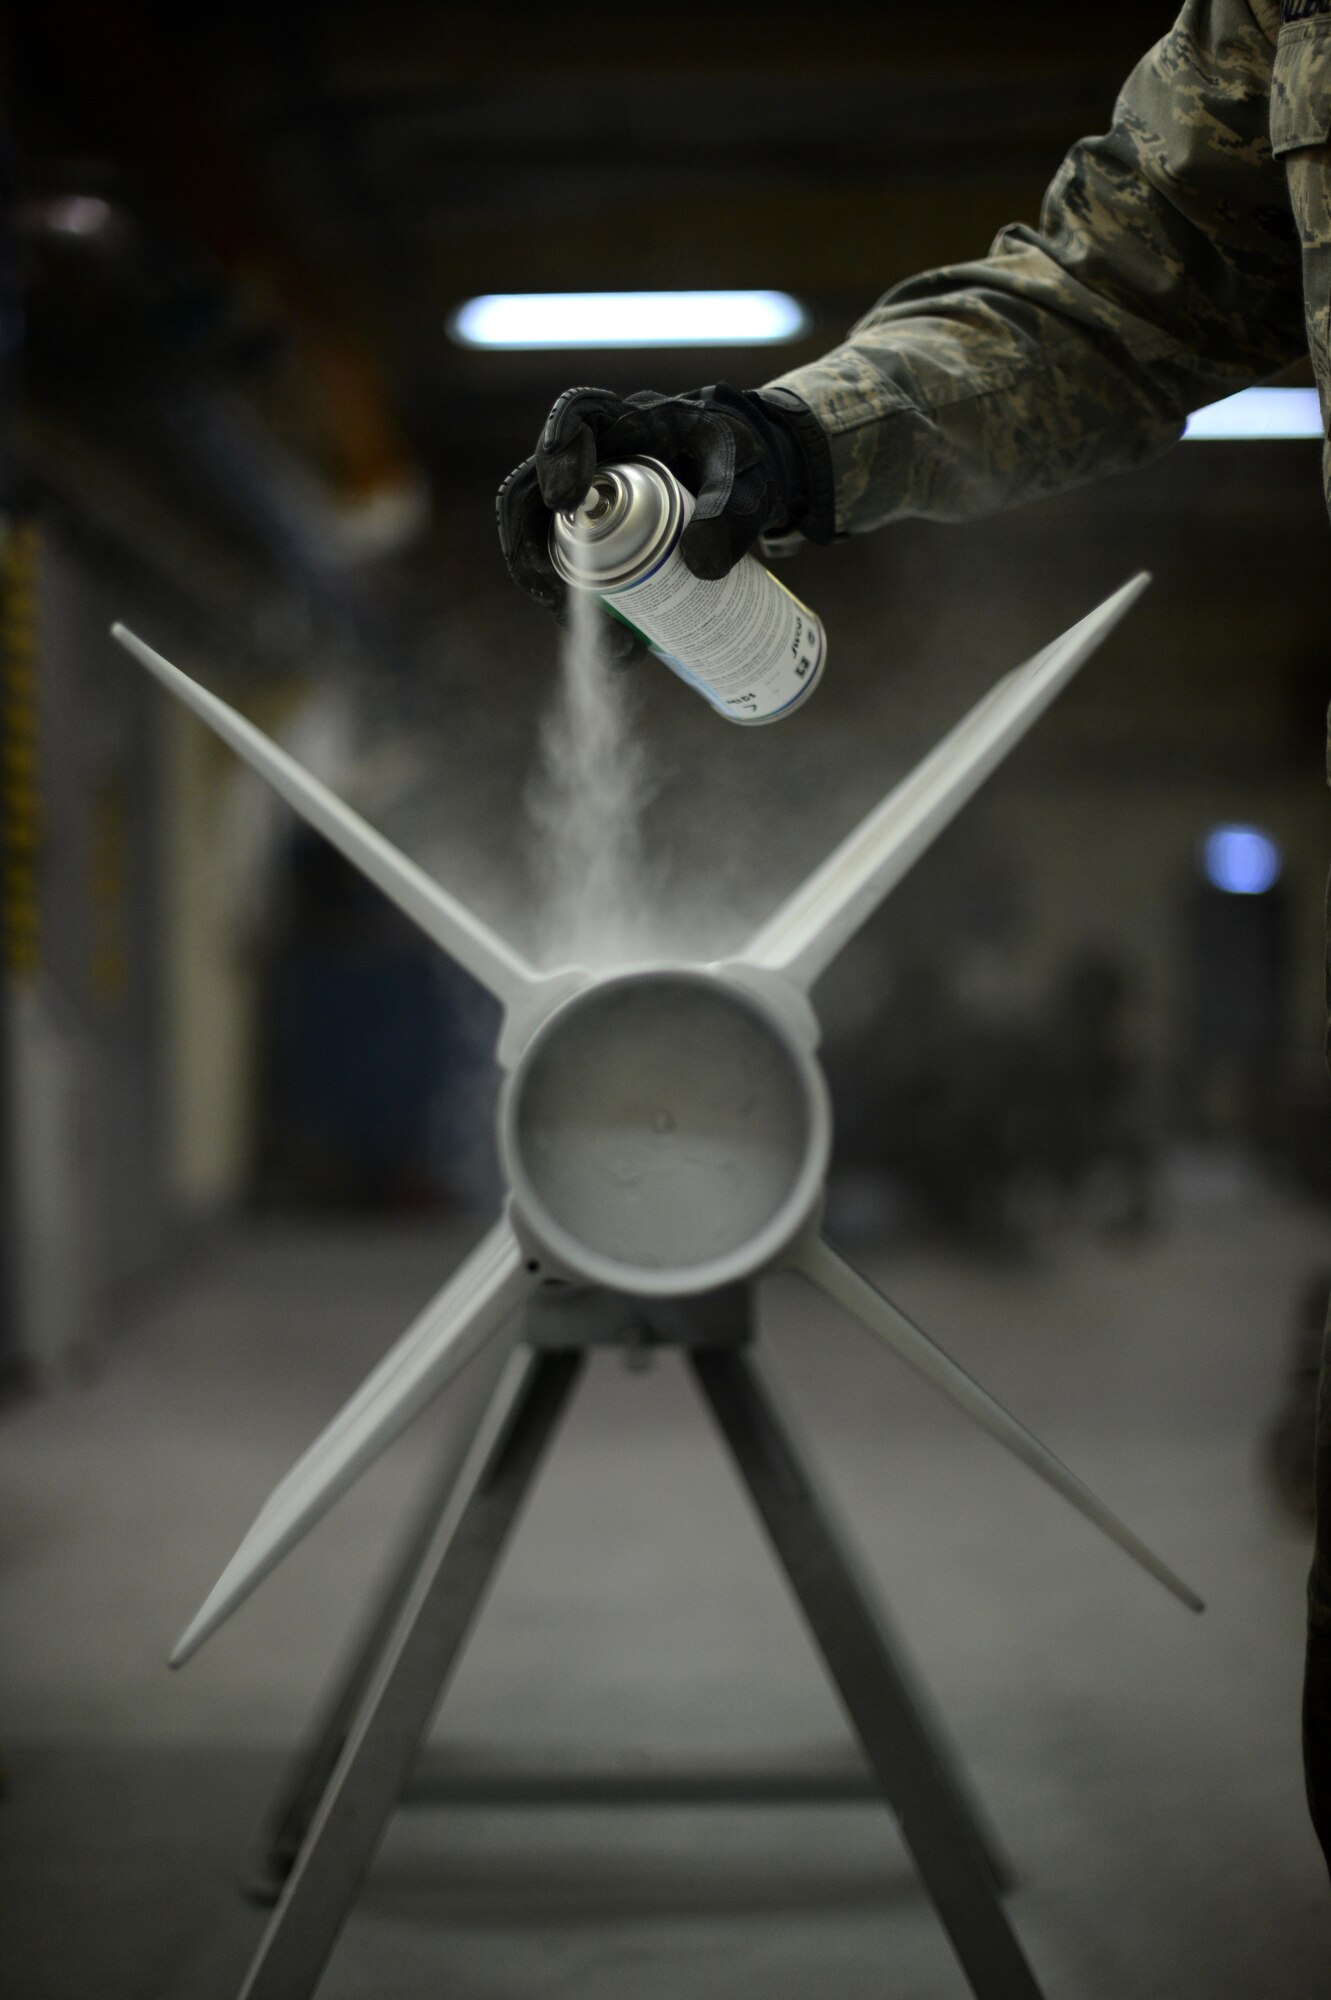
(743, 641)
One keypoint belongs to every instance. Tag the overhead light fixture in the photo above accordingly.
(1241, 860)
(67, 214)
(627, 319)
(1259, 413)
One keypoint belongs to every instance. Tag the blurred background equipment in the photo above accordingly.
(1290, 1441)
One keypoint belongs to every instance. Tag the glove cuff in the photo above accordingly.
(813, 502)
(797, 454)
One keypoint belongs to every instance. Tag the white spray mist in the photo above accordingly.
(585, 802)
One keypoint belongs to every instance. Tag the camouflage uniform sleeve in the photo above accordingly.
(1164, 274)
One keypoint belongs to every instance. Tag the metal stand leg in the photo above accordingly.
(350, 1780)
(918, 1784)
(295, 1806)
(395, 1714)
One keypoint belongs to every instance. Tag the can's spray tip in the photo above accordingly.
(599, 499)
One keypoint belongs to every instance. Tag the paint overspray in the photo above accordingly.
(637, 851)
(593, 783)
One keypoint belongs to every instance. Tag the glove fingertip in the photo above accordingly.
(705, 547)
(565, 475)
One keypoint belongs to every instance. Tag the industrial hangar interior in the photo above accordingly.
(790, 1679)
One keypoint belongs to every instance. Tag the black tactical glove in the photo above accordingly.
(757, 462)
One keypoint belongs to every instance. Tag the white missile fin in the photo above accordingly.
(448, 922)
(812, 926)
(470, 1310)
(815, 1258)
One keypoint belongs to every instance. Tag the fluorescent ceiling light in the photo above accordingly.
(68, 214)
(1241, 860)
(627, 319)
(1259, 413)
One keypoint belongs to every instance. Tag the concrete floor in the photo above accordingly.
(1141, 1765)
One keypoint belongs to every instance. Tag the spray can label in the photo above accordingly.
(743, 640)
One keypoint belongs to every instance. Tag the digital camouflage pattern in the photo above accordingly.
(1180, 257)
(1165, 273)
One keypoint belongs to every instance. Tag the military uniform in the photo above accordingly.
(1169, 269)
(1181, 256)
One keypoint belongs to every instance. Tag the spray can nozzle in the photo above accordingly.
(603, 498)
(600, 498)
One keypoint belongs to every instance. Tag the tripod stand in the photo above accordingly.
(664, 1130)
(354, 1772)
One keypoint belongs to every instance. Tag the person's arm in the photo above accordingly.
(1164, 274)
